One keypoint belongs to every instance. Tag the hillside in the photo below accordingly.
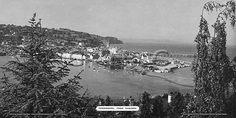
(13, 34)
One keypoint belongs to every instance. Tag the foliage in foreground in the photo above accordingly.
(35, 75)
(212, 70)
(31, 88)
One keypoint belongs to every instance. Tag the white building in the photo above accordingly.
(113, 50)
(90, 49)
(72, 56)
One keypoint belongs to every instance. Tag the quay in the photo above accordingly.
(160, 61)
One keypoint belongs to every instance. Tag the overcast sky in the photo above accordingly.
(137, 19)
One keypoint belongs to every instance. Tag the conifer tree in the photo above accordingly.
(146, 106)
(33, 89)
(211, 67)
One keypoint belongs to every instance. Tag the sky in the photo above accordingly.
(152, 20)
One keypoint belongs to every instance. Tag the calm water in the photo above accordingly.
(119, 83)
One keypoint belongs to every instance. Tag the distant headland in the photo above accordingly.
(14, 32)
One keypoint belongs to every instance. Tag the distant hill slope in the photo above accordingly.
(112, 40)
(14, 33)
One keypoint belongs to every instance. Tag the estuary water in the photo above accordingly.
(119, 83)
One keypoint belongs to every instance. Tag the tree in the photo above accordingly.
(146, 106)
(177, 104)
(93, 42)
(233, 65)
(157, 110)
(211, 66)
(108, 102)
(231, 106)
(34, 89)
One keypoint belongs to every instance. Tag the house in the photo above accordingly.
(81, 44)
(5, 43)
(106, 43)
(144, 56)
(77, 56)
(136, 59)
(113, 50)
(89, 49)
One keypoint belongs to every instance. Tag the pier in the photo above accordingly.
(179, 55)
(166, 53)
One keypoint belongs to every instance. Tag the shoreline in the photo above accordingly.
(117, 85)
